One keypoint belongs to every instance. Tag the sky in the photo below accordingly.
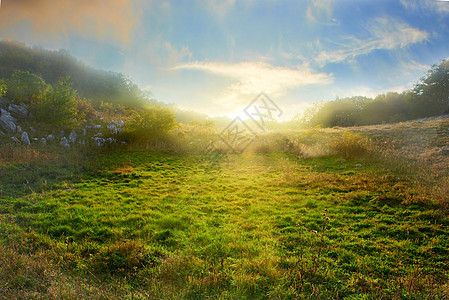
(216, 56)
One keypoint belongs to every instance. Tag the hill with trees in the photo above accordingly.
(428, 98)
(51, 66)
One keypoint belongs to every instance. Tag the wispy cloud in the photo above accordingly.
(250, 78)
(175, 56)
(254, 77)
(319, 9)
(441, 6)
(111, 20)
(384, 34)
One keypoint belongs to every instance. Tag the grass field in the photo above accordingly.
(270, 225)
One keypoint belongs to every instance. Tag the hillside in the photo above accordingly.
(96, 85)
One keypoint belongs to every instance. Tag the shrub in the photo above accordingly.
(352, 145)
(58, 107)
(3, 89)
(150, 126)
(25, 87)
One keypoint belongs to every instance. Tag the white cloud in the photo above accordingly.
(254, 77)
(384, 34)
(423, 5)
(412, 67)
(250, 78)
(176, 56)
(319, 9)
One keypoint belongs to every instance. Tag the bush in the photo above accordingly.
(352, 145)
(58, 107)
(25, 87)
(151, 126)
(3, 89)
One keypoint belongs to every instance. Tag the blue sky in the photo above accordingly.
(215, 56)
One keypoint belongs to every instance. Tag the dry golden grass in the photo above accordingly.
(11, 152)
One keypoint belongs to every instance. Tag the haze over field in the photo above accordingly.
(216, 56)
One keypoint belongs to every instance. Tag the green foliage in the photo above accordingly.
(152, 124)
(341, 112)
(84, 110)
(432, 92)
(26, 88)
(58, 106)
(429, 97)
(3, 88)
(90, 83)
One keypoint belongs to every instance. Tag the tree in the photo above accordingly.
(432, 92)
(26, 88)
(151, 125)
(340, 112)
(58, 107)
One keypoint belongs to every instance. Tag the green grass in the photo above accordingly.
(231, 226)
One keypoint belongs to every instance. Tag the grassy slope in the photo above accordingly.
(233, 226)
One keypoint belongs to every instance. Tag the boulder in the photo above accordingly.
(7, 121)
(19, 110)
(44, 141)
(50, 138)
(100, 141)
(25, 138)
(72, 137)
(111, 140)
(64, 142)
(113, 127)
(19, 129)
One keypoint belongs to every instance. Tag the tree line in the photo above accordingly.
(428, 98)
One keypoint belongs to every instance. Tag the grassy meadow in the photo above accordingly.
(313, 214)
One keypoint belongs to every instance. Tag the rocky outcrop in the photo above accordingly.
(99, 141)
(64, 142)
(72, 137)
(115, 126)
(25, 138)
(19, 110)
(7, 121)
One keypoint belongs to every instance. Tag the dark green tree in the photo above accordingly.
(151, 125)
(431, 94)
(26, 88)
(58, 106)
